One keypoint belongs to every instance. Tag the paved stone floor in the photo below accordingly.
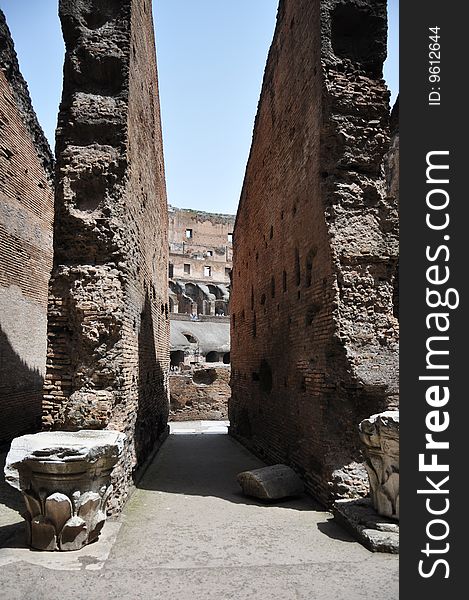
(188, 533)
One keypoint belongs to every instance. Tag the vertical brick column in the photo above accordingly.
(108, 340)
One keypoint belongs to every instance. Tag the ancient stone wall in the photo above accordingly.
(313, 336)
(391, 170)
(108, 332)
(26, 214)
(200, 393)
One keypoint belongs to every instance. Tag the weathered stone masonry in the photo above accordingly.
(200, 392)
(108, 333)
(314, 338)
(26, 214)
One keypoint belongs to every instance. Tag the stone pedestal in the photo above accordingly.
(380, 437)
(65, 481)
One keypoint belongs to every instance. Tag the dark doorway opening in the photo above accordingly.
(212, 357)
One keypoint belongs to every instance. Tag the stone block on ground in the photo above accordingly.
(65, 481)
(271, 483)
(375, 532)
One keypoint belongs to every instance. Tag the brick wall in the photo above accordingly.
(108, 332)
(26, 214)
(313, 335)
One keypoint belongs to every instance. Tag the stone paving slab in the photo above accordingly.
(188, 533)
(290, 582)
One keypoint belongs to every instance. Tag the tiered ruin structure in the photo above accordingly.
(200, 261)
(26, 214)
(108, 331)
(314, 332)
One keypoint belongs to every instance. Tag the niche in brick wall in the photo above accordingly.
(355, 34)
(101, 14)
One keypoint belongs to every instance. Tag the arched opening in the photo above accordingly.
(196, 295)
(174, 287)
(221, 308)
(176, 358)
(226, 358)
(190, 338)
(216, 291)
(212, 357)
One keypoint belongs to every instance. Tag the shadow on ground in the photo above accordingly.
(11, 505)
(8, 495)
(207, 465)
(13, 536)
(335, 531)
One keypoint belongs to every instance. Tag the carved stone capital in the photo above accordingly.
(65, 481)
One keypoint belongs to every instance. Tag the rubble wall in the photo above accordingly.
(313, 334)
(200, 393)
(108, 320)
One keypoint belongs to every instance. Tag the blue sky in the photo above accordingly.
(211, 58)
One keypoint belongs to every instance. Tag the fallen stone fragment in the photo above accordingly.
(271, 483)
